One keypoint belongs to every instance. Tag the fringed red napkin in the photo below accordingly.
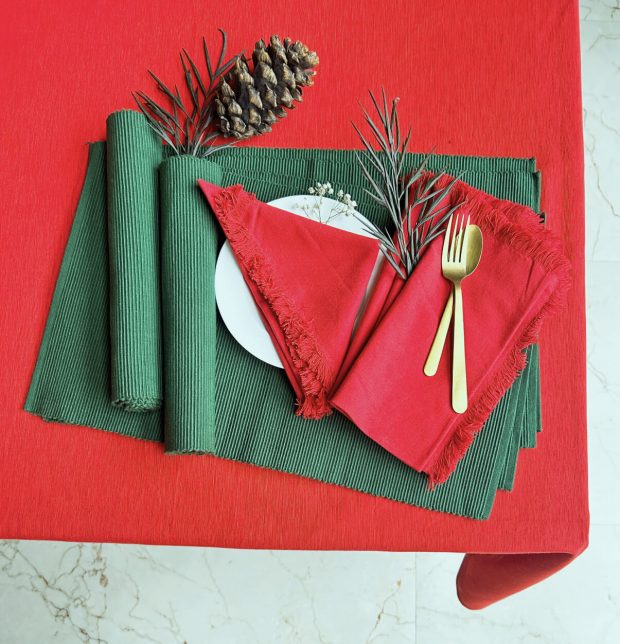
(522, 277)
(308, 281)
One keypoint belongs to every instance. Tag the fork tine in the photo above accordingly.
(457, 232)
(458, 236)
(461, 236)
(464, 240)
(446, 241)
(453, 239)
(462, 232)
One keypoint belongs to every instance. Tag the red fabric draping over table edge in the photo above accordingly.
(474, 77)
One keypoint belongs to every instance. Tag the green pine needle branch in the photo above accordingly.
(187, 125)
(416, 217)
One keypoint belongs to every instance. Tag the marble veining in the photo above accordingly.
(604, 10)
(108, 594)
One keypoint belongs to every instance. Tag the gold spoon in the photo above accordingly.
(474, 253)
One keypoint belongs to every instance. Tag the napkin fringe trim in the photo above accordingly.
(523, 231)
(308, 359)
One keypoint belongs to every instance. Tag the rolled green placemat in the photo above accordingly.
(188, 254)
(133, 155)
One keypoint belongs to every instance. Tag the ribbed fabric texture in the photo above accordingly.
(254, 413)
(520, 425)
(188, 254)
(71, 380)
(134, 155)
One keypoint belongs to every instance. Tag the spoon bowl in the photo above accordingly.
(474, 249)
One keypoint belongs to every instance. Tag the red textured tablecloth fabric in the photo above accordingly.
(474, 77)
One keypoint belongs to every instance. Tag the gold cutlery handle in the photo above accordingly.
(459, 372)
(434, 355)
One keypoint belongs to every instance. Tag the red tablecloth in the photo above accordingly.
(475, 77)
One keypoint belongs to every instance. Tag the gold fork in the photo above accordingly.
(454, 269)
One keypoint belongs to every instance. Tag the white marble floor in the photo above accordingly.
(58, 592)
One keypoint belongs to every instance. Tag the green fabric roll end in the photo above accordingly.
(188, 255)
(133, 156)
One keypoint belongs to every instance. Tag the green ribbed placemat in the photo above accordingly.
(528, 437)
(254, 403)
(189, 252)
(520, 424)
(134, 154)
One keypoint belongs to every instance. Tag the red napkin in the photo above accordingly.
(522, 277)
(308, 280)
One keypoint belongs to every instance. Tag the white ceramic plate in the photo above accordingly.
(234, 300)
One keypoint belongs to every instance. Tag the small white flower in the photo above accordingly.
(319, 191)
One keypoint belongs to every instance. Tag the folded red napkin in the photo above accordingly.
(308, 280)
(522, 277)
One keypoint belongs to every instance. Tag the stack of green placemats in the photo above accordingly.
(244, 406)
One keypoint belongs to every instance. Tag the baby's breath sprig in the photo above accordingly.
(319, 191)
(346, 199)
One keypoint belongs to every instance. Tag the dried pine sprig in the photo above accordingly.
(390, 187)
(189, 128)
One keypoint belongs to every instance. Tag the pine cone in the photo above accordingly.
(249, 103)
